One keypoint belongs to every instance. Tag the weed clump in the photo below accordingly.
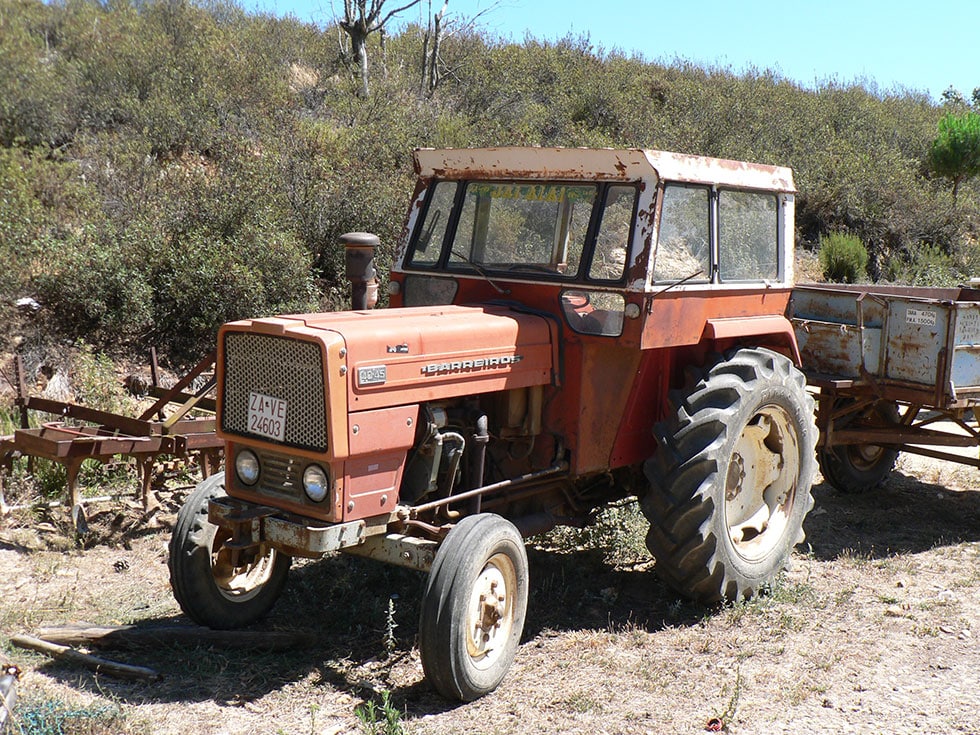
(46, 716)
(843, 258)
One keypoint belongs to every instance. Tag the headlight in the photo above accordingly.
(247, 466)
(316, 483)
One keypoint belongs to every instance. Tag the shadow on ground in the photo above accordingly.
(363, 616)
(903, 515)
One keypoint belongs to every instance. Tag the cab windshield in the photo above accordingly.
(512, 227)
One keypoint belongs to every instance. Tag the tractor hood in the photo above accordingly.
(393, 357)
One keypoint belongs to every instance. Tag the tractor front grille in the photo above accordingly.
(288, 369)
(282, 476)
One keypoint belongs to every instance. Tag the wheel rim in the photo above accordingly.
(238, 575)
(490, 613)
(760, 488)
(865, 457)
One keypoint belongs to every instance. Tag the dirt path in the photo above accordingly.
(873, 629)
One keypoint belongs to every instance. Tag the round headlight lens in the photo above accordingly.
(247, 466)
(316, 483)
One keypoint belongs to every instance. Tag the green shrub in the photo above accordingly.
(930, 265)
(383, 719)
(955, 153)
(843, 258)
(95, 383)
(201, 280)
(165, 166)
(94, 287)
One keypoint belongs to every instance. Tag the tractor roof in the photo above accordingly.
(616, 164)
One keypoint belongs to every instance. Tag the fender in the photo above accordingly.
(777, 328)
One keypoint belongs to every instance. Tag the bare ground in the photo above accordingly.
(874, 628)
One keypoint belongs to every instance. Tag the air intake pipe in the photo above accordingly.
(359, 250)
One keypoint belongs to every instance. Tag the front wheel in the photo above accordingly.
(216, 586)
(473, 607)
(729, 485)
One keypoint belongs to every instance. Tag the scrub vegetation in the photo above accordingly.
(168, 165)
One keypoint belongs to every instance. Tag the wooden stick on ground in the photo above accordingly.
(99, 665)
(132, 636)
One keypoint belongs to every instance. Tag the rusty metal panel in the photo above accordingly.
(916, 339)
(831, 348)
(382, 429)
(534, 163)
(926, 339)
(674, 318)
(398, 549)
(370, 484)
(723, 172)
(416, 354)
(965, 369)
(288, 534)
(624, 164)
(294, 534)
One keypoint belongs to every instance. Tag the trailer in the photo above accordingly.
(897, 369)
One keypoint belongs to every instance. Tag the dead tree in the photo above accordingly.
(361, 19)
(440, 27)
(429, 78)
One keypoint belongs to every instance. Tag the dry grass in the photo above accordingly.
(873, 628)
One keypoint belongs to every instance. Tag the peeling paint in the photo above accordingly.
(629, 164)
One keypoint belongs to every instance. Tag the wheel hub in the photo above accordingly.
(761, 482)
(491, 611)
(240, 575)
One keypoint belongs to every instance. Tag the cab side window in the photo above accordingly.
(748, 236)
(613, 235)
(684, 245)
(428, 244)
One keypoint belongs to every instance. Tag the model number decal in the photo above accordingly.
(374, 375)
(480, 363)
(920, 317)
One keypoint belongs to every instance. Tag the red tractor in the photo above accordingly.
(567, 328)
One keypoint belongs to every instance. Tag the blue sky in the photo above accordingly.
(899, 45)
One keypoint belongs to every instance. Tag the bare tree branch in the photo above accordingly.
(412, 4)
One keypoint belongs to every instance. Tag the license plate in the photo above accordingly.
(266, 416)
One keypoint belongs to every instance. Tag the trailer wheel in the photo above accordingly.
(858, 468)
(729, 485)
(473, 607)
(212, 587)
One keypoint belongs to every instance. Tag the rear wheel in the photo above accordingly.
(729, 485)
(858, 468)
(216, 586)
(473, 607)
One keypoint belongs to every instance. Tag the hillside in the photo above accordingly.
(167, 165)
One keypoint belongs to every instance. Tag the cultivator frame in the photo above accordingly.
(165, 428)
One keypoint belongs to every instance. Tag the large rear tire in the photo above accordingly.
(859, 468)
(729, 484)
(211, 585)
(473, 607)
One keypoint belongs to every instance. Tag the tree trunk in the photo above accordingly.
(424, 67)
(436, 39)
(359, 47)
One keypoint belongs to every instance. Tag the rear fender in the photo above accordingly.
(772, 331)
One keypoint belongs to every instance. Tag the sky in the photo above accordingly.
(896, 46)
